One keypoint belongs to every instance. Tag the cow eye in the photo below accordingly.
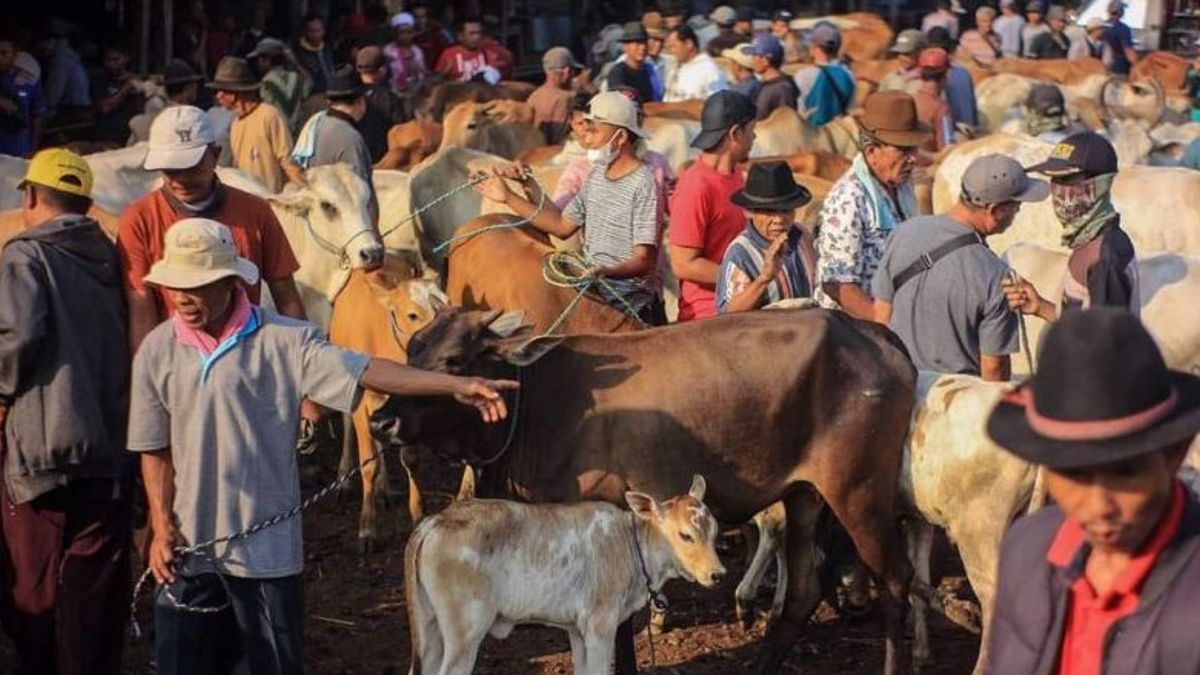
(328, 208)
(412, 316)
(687, 538)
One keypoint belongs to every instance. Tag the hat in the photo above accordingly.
(938, 36)
(995, 179)
(179, 71)
(197, 252)
(557, 58)
(767, 45)
(657, 33)
(770, 186)
(370, 56)
(634, 32)
(344, 84)
(179, 137)
(402, 19)
(60, 169)
(1046, 100)
(1094, 23)
(1056, 12)
(783, 15)
(233, 74)
(1102, 394)
(722, 111)
(891, 116)
(934, 60)
(267, 46)
(1035, 6)
(1085, 152)
(826, 35)
(1115, 6)
(615, 108)
(723, 15)
(908, 41)
(652, 19)
(742, 54)
(1007, 3)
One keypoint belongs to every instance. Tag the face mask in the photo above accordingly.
(1083, 208)
(606, 155)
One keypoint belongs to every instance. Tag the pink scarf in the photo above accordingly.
(207, 344)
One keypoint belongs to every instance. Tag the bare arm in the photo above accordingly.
(294, 173)
(287, 298)
(549, 220)
(995, 368)
(390, 377)
(690, 264)
(1023, 297)
(158, 475)
(883, 312)
(143, 316)
(639, 264)
(852, 298)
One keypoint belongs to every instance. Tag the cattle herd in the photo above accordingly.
(775, 416)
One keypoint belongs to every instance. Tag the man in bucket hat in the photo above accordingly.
(617, 208)
(868, 202)
(1106, 579)
(213, 417)
(259, 135)
(772, 259)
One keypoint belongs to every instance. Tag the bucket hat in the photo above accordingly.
(197, 252)
(233, 74)
(344, 84)
(1102, 394)
(770, 186)
(891, 116)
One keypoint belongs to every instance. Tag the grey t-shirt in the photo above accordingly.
(339, 141)
(616, 216)
(950, 314)
(231, 424)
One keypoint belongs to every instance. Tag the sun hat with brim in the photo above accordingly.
(1085, 152)
(59, 169)
(612, 107)
(891, 117)
(179, 71)
(770, 186)
(722, 111)
(197, 252)
(742, 54)
(179, 137)
(345, 84)
(633, 31)
(1102, 394)
(233, 74)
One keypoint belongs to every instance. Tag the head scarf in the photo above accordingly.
(1083, 208)
(1040, 124)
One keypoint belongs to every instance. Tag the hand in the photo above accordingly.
(1021, 295)
(485, 396)
(773, 259)
(492, 187)
(161, 558)
(518, 171)
(591, 273)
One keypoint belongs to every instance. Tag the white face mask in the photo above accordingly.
(606, 155)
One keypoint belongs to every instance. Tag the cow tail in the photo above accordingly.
(421, 616)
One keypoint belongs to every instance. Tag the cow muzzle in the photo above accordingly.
(370, 257)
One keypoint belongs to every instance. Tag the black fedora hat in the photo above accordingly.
(233, 74)
(771, 187)
(345, 84)
(1103, 394)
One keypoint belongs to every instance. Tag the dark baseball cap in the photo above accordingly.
(722, 110)
(1086, 153)
(783, 15)
(1046, 100)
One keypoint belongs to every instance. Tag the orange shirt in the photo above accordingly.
(1091, 615)
(142, 228)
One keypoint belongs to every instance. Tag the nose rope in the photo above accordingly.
(337, 251)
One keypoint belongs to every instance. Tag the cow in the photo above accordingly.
(783, 132)
(487, 127)
(482, 567)
(865, 35)
(814, 407)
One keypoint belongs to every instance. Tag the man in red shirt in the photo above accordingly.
(1108, 579)
(703, 219)
(463, 61)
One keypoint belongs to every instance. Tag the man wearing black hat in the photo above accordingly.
(633, 71)
(1046, 114)
(1106, 579)
(772, 259)
(332, 136)
(703, 219)
(1101, 269)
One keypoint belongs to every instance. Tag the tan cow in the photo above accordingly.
(1058, 71)
(480, 126)
(865, 35)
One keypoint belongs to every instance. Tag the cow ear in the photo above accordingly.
(507, 323)
(528, 352)
(699, 487)
(296, 203)
(438, 302)
(643, 505)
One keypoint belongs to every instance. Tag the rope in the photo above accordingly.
(565, 269)
(1021, 329)
(657, 601)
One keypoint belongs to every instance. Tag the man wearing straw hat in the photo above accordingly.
(214, 407)
(1107, 580)
(259, 135)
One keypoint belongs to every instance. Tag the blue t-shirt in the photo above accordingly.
(1119, 36)
(16, 131)
(960, 96)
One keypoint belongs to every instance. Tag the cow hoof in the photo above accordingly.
(745, 615)
(366, 545)
(965, 614)
(658, 622)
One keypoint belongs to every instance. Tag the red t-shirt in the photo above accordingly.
(1091, 615)
(461, 64)
(702, 217)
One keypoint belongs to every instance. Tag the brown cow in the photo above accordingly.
(797, 405)
(1058, 71)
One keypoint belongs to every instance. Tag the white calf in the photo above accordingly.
(483, 566)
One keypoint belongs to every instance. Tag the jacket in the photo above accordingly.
(1032, 597)
(64, 357)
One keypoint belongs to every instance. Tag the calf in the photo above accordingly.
(483, 566)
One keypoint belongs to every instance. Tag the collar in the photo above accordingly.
(206, 343)
(310, 46)
(204, 209)
(333, 112)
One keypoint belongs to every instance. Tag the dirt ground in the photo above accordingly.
(357, 623)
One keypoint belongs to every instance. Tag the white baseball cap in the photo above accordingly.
(615, 108)
(403, 19)
(178, 138)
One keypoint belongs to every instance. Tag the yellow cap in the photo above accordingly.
(62, 170)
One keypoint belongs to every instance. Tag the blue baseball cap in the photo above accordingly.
(767, 45)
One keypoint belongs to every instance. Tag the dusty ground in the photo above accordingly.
(357, 623)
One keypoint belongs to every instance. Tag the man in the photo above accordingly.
(313, 54)
(825, 89)
(259, 135)
(932, 109)
(906, 49)
(617, 209)
(1046, 114)
(499, 57)
(724, 17)
(116, 98)
(406, 61)
(385, 108)
(1101, 269)
(959, 88)
(633, 71)
(64, 363)
(777, 90)
(282, 86)
(183, 146)
(551, 102)
(463, 61)
(429, 35)
(772, 259)
(662, 65)
(181, 83)
(1053, 44)
(981, 44)
(1092, 44)
(1009, 26)
(332, 136)
(1034, 26)
(868, 202)
(673, 15)
(781, 28)
(67, 94)
(21, 107)
(703, 219)
(741, 61)
(744, 26)
(945, 16)
(255, 31)
(697, 76)
(938, 284)
(213, 418)
(1120, 40)
(1103, 580)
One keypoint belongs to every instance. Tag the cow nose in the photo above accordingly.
(371, 257)
(717, 576)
